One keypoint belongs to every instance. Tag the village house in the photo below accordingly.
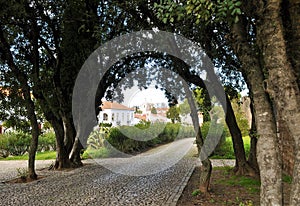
(116, 114)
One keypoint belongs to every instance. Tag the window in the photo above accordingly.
(113, 117)
(105, 117)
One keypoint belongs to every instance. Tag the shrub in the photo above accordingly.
(47, 142)
(213, 135)
(96, 153)
(4, 151)
(145, 135)
(96, 139)
(15, 143)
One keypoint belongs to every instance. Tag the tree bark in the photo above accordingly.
(252, 158)
(242, 167)
(35, 136)
(75, 153)
(267, 147)
(282, 82)
(206, 168)
(291, 19)
(62, 157)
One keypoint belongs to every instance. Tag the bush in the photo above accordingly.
(14, 143)
(47, 142)
(96, 153)
(213, 135)
(96, 139)
(4, 151)
(144, 135)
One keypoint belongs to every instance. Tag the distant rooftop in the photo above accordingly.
(114, 105)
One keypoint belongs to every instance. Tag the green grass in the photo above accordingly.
(252, 185)
(196, 192)
(39, 156)
(288, 179)
(96, 153)
(226, 150)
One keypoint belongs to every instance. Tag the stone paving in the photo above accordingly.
(112, 181)
(94, 184)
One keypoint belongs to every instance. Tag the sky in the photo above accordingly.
(136, 97)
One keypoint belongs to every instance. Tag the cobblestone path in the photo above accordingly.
(156, 177)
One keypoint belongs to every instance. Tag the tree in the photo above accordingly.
(206, 163)
(153, 110)
(282, 81)
(173, 114)
(27, 102)
(247, 38)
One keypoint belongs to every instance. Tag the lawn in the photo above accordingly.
(39, 156)
(226, 150)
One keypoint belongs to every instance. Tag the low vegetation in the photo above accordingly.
(131, 139)
(15, 146)
(128, 139)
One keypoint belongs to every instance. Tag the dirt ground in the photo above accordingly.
(222, 191)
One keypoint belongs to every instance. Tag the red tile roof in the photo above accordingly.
(114, 105)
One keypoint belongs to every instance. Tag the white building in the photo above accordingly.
(116, 114)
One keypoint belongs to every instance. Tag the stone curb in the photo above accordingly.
(173, 199)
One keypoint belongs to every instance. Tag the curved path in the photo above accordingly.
(156, 177)
(112, 181)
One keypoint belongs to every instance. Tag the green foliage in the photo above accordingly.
(104, 125)
(96, 153)
(247, 203)
(225, 150)
(199, 11)
(222, 147)
(203, 102)
(47, 142)
(47, 155)
(15, 143)
(251, 184)
(196, 192)
(240, 116)
(143, 124)
(184, 108)
(149, 135)
(173, 114)
(4, 146)
(153, 110)
(288, 179)
(96, 139)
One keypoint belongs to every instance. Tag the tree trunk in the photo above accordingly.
(62, 158)
(75, 153)
(291, 19)
(282, 84)
(241, 166)
(206, 168)
(268, 157)
(252, 159)
(69, 132)
(34, 140)
(23, 79)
